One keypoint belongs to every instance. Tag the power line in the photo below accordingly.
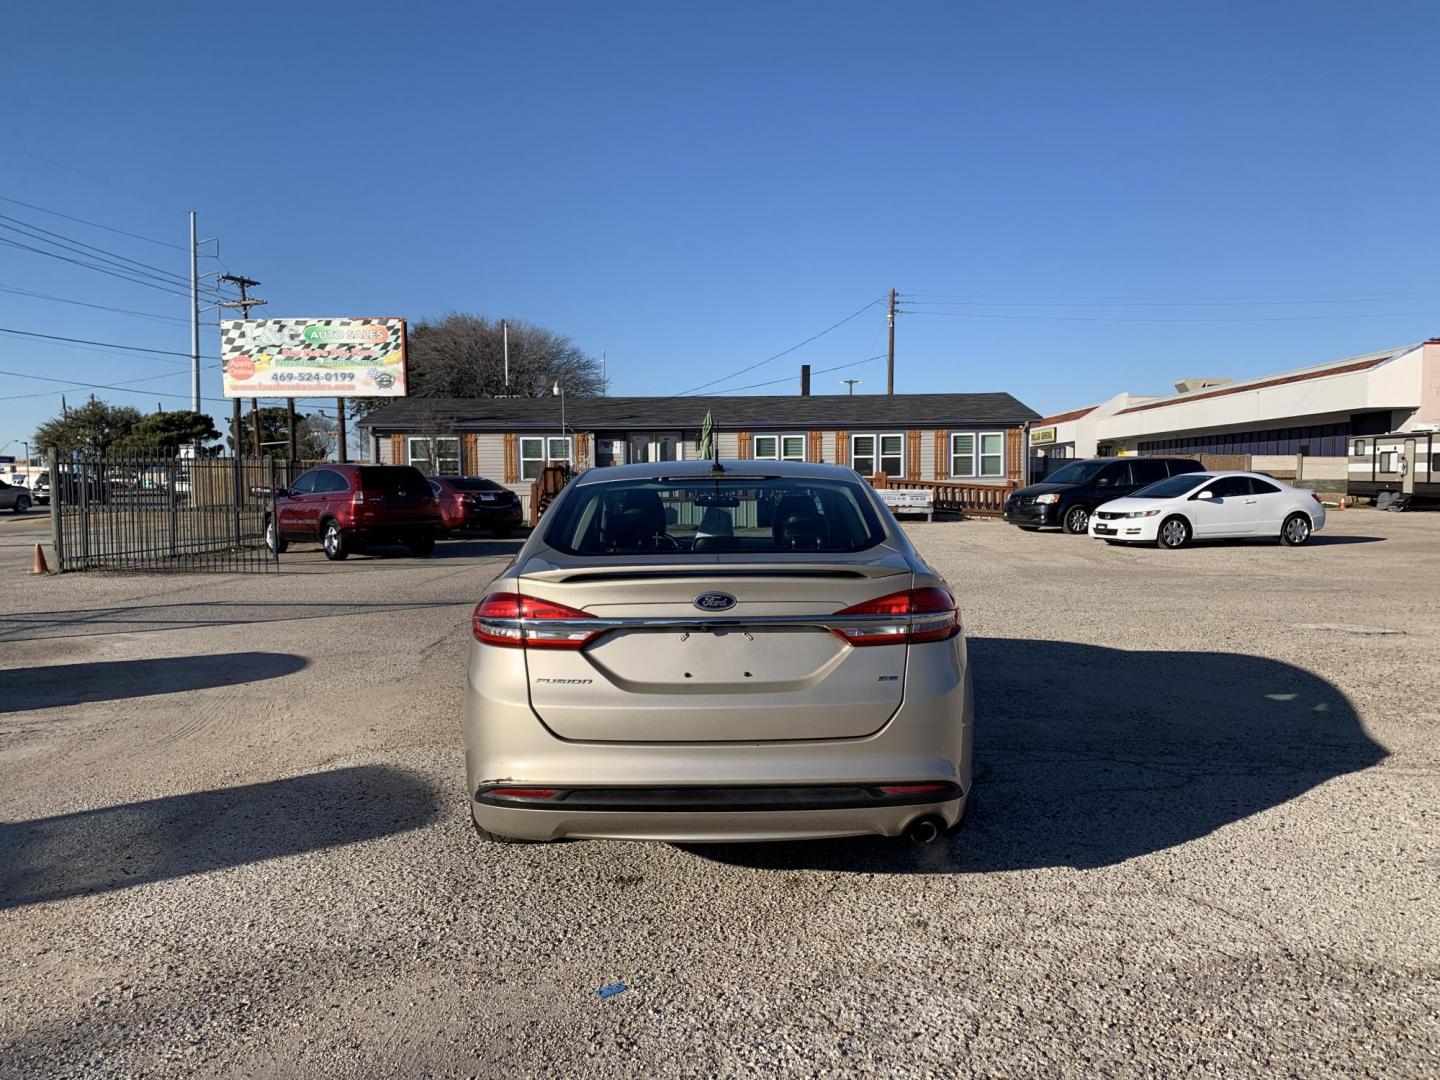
(98, 307)
(122, 383)
(1136, 319)
(105, 180)
(92, 224)
(787, 378)
(1059, 302)
(107, 386)
(104, 255)
(783, 352)
(92, 266)
(101, 344)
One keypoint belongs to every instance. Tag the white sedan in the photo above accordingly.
(1210, 506)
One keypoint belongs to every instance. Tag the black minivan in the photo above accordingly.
(1069, 496)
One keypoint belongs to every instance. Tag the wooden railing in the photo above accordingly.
(954, 496)
(543, 490)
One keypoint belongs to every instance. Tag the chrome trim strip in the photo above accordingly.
(824, 622)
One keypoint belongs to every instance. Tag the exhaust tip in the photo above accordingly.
(925, 830)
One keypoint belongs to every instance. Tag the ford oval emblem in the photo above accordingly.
(714, 601)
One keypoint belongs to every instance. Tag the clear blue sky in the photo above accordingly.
(692, 188)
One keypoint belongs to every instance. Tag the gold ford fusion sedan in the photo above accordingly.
(717, 651)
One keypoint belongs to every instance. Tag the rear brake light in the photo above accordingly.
(1315, 495)
(496, 622)
(922, 615)
(358, 499)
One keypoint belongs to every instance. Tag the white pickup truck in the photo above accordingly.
(909, 501)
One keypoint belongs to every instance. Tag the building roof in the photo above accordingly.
(869, 411)
(1319, 371)
(1066, 417)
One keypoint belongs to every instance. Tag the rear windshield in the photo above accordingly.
(1076, 473)
(1176, 485)
(748, 515)
(393, 478)
(470, 483)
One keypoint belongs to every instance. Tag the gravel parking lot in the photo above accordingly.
(233, 838)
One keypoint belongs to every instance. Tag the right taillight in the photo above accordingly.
(498, 621)
(922, 615)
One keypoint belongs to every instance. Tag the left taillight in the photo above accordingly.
(922, 615)
(497, 621)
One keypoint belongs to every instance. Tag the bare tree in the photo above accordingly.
(314, 435)
(463, 356)
(430, 427)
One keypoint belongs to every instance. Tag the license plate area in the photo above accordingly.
(718, 660)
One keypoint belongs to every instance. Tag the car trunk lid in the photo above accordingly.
(665, 667)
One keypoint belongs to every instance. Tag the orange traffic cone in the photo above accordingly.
(39, 566)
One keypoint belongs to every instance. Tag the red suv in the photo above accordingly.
(346, 507)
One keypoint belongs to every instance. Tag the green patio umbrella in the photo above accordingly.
(707, 436)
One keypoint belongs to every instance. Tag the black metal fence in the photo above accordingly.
(162, 513)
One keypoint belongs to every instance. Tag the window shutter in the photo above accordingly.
(397, 450)
(942, 455)
(582, 450)
(912, 453)
(815, 447)
(512, 460)
(1012, 453)
(842, 448)
(742, 443)
(470, 454)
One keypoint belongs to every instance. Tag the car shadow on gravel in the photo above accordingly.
(118, 847)
(112, 680)
(151, 618)
(1088, 756)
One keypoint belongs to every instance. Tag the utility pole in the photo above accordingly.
(505, 337)
(194, 318)
(851, 384)
(890, 367)
(245, 303)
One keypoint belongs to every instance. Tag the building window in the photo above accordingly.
(992, 453)
(1387, 460)
(536, 453)
(870, 454)
(1360, 450)
(779, 447)
(962, 455)
(434, 455)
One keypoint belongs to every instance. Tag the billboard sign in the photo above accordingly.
(1042, 436)
(313, 357)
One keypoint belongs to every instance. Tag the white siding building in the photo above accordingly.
(1302, 421)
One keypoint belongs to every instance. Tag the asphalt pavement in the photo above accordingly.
(234, 839)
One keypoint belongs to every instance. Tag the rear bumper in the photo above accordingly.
(375, 532)
(653, 788)
(718, 827)
(500, 517)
